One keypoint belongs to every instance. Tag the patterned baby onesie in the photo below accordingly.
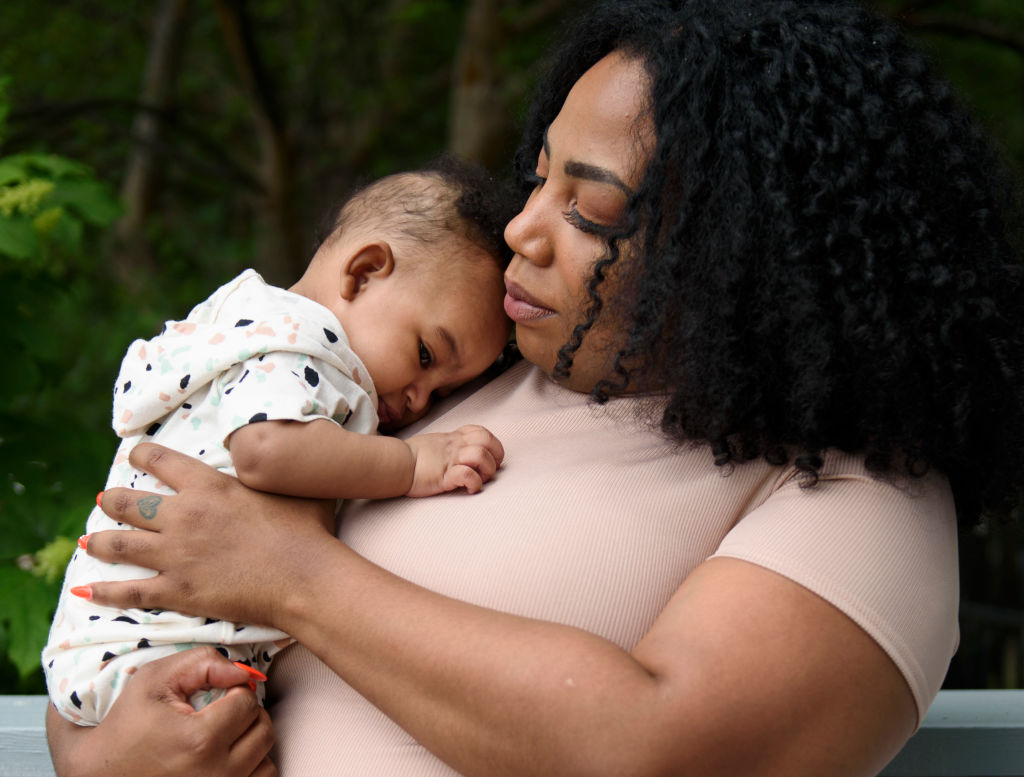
(251, 352)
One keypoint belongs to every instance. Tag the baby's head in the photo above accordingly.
(412, 267)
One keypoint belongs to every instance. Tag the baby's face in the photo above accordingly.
(425, 334)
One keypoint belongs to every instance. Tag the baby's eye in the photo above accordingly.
(425, 358)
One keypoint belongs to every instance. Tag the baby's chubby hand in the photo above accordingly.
(465, 458)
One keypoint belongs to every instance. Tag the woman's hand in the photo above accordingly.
(152, 730)
(222, 549)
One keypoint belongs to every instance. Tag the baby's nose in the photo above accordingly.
(417, 398)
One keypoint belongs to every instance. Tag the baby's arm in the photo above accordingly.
(323, 460)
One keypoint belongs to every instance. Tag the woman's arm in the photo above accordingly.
(744, 672)
(152, 730)
(320, 459)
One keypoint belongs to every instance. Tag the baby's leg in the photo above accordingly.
(85, 682)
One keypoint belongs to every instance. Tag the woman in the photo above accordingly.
(759, 225)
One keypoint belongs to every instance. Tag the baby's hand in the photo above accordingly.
(466, 458)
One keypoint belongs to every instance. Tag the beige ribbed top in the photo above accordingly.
(594, 521)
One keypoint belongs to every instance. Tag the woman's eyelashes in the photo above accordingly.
(572, 215)
(584, 224)
(535, 181)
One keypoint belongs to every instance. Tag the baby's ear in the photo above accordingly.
(367, 262)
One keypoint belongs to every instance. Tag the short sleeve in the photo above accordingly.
(884, 553)
(290, 386)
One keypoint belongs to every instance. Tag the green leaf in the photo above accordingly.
(52, 559)
(26, 606)
(52, 165)
(90, 199)
(5, 106)
(62, 237)
(12, 171)
(24, 197)
(45, 221)
(17, 239)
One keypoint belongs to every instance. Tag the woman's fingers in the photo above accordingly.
(142, 548)
(173, 468)
(153, 731)
(235, 715)
(251, 749)
(143, 509)
(146, 594)
(136, 508)
(215, 544)
(198, 669)
(265, 769)
(232, 735)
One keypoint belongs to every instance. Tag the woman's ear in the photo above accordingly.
(370, 261)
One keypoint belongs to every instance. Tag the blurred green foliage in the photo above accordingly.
(54, 335)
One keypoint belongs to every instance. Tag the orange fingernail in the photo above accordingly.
(83, 542)
(99, 499)
(252, 686)
(254, 672)
(82, 592)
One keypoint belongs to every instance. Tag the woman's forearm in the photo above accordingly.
(489, 693)
(495, 694)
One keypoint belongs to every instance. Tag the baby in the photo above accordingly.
(285, 389)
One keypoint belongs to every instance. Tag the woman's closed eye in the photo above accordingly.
(535, 180)
(574, 217)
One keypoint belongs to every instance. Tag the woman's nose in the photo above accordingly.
(528, 233)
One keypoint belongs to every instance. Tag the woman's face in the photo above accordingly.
(593, 156)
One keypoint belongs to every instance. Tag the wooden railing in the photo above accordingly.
(965, 734)
(23, 751)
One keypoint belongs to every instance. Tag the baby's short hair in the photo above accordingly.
(429, 204)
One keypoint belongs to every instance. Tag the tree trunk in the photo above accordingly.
(140, 185)
(280, 254)
(479, 126)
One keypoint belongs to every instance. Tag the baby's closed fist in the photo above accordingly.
(465, 458)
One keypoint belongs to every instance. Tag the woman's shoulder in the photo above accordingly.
(882, 549)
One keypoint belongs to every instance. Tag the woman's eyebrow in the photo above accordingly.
(588, 172)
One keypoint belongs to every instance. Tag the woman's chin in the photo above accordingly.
(592, 362)
(535, 349)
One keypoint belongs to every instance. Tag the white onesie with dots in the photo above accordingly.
(251, 352)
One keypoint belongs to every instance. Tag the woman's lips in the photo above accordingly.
(521, 307)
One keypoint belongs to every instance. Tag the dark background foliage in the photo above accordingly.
(216, 134)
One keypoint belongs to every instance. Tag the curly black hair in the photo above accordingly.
(821, 253)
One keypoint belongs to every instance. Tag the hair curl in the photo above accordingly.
(819, 248)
